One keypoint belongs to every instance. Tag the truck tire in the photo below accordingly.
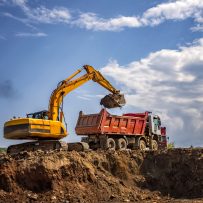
(121, 144)
(142, 145)
(110, 143)
(154, 145)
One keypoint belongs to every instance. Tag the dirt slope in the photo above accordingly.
(103, 176)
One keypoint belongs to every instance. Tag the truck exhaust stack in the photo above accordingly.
(113, 101)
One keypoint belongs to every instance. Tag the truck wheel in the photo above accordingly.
(121, 143)
(154, 145)
(142, 145)
(110, 144)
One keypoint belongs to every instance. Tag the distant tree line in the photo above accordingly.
(2, 149)
(171, 145)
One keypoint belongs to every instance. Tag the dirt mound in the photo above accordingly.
(102, 176)
(177, 172)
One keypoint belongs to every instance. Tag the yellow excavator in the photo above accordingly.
(48, 127)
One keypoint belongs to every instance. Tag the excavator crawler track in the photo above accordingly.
(45, 145)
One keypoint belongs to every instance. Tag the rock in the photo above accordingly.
(32, 196)
(53, 198)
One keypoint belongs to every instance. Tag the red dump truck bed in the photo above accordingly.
(105, 123)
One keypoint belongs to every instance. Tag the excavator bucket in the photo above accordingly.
(113, 101)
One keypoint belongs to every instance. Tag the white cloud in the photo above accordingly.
(22, 20)
(91, 21)
(84, 98)
(197, 28)
(20, 2)
(38, 34)
(42, 14)
(176, 10)
(89, 97)
(172, 10)
(197, 118)
(167, 81)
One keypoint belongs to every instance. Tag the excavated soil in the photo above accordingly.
(102, 176)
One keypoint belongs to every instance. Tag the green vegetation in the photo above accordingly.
(2, 149)
(171, 145)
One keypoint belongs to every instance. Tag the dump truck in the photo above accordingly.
(130, 130)
(47, 127)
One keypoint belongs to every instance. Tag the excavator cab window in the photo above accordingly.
(39, 115)
(30, 115)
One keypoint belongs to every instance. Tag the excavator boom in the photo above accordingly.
(64, 87)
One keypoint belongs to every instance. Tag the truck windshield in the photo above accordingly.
(163, 138)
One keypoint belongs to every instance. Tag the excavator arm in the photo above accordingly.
(64, 87)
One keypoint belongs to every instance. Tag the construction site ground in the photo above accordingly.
(174, 175)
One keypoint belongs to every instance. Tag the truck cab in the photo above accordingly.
(154, 124)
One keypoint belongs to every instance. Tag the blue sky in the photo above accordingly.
(151, 50)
